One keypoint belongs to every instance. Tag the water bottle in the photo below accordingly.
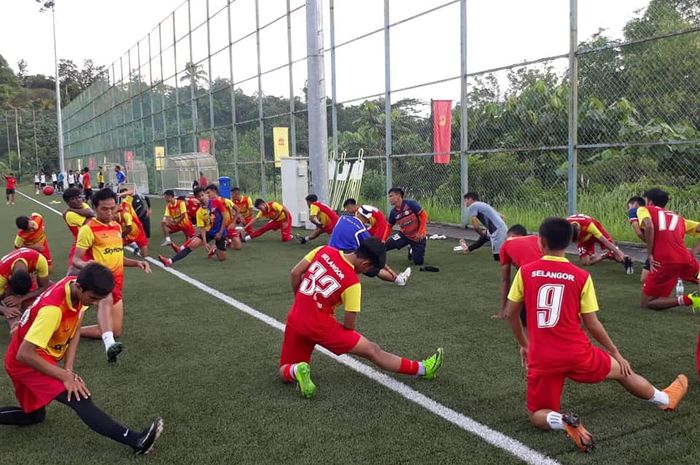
(680, 289)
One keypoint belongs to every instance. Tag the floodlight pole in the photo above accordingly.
(316, 100)
(572, 151)
(59, 122)
(19, 151)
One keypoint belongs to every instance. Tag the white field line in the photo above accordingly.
(493, 437)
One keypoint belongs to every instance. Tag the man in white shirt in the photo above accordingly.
(71, 179)
(54, 180)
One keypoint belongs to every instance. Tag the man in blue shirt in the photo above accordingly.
(348, 234)
(121, 177)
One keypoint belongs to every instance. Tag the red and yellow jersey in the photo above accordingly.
(204, 219)
(589, 228)
(192, 205)
(86, 181)
(329, 281)
(669, 234)
(74, 221)
(520, 251)
(378, 225)
(127, 206)
(555, 294)
(275, 212)
(31, 238)
(228, 216)
(36, 263)
(177, 211)
(325, 214)
(245, 206)
(50, 322)
(131, 222)
(104, 244)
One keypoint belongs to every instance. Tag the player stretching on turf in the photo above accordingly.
(558, 297)
(245, 209)
(518, 250)
(413, 224)
(32, 235)
(48, 333)
(322, 216)
(132, 229)
(175, 218)
(203, 221)
(322, 280)
(77, 213)
(377, 226)
(632, 205)
(16, 269)
(493, 229)
(278, 216)
(670, 259)
(588, 231)
(100, 240)
(10, 187)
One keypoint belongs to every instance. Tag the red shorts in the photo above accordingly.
(47, 253)
(117, 291)
(544, 390)
(33, 389)
(328, 229)
(187, 228)
(587, 249)
(232, 233)
(660, 283)
(141, 239)
(301, 336)
(71, 253)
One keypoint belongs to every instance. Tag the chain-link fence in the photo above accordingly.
(551, 111)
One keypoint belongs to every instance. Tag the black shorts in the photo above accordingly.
(9, 191)
(101, 185)
(399, 241)
(220, 243)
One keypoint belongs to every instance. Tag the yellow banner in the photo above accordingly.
(159, 152)
(281, 138)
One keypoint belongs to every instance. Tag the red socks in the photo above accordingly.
(409, 367)
(287, 372)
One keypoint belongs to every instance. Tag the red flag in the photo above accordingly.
(442, 130)
(203, 145)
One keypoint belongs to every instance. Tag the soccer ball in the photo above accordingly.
(48, 190)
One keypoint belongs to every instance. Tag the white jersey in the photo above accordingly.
(54, 178)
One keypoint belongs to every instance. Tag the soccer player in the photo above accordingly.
(323, 279)
(518, 250)
(193, 207)
(120, 177)
(71, 178)
(100, 240)
(320, 215)
(132, 229)
(413, 224)
(487, 222)
(233, 239)
(378, 226)
(10, 187)
(17, 288)
(100, 178)
(588, 231)
(245, 209)
(141, 206)
(559, 297)
(175, 218)
(278, 216)
(76, 215)
(32, 235)
(48, 333)
(670, 259)
(347, 236)
(632, 205)
(87, 185)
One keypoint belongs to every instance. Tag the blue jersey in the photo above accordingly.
(121, 177)
(217, 218)
(348, 233)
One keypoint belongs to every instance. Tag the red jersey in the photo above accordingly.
(192, 207)
(520, 251)
(379, 226)
(555, 294)
(329, 280)
(86, 181)
(589, 228)
(29, 256)
(244, 205)
(669, 234)
(11, 182)
(29, 238)
(326, 215)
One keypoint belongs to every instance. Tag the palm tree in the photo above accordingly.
(194, 74)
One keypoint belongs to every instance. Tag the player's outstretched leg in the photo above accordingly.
(426, 369)
(638, 386)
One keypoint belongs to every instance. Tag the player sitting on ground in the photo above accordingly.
(322, 216)
(378, 226)
(632, 205)
(48, 333)
(17, 287)
(349, 233)
(77, 213)
(487, 222)
(413, 224)
(588, 231)
(559, 297)
(323, 279)
(518, 250)
(175, 218)
(670, 259)
(206, 221)
(278, 216)
(132, 229)
(32, 235)
(245, 209)
(100, 240)
(233, 239)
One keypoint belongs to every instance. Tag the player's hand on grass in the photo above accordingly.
(500, 315)
(75, 386)
(144, 266)
(523, 357)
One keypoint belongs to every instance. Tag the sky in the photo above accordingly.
(499, 32)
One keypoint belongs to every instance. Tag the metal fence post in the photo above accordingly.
(211, 95)
(334, 99)
(387, 98)
(464, 116)
(261, 124)
(193, 80)
(573, 110)
(177, 90)
(318, 129)
(234, 131)
(292, 103)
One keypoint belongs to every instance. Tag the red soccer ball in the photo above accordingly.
(48, 190)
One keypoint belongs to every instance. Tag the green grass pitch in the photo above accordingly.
(211, 371)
